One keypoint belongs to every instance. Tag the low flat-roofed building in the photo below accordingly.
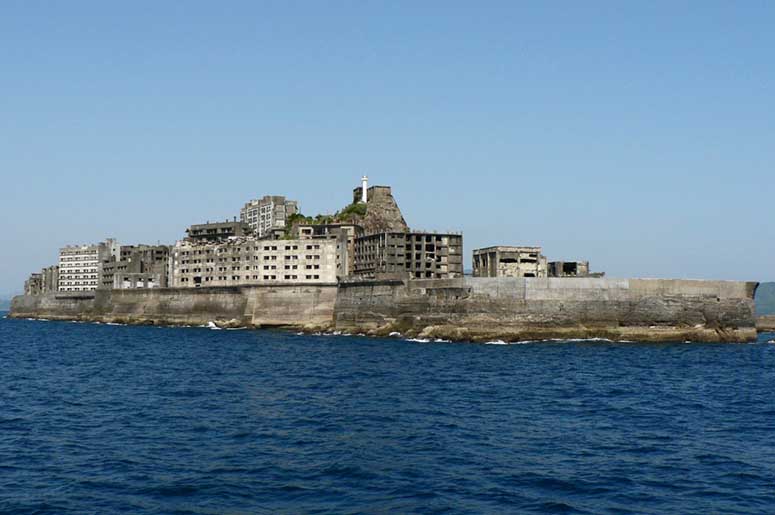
(215, 231)
(416, 255)
(572, 269)
(510, 261)
(246, 261)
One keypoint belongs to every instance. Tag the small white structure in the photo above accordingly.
(364, 189)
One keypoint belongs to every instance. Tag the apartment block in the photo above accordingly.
(245, 261)
(268, 213)
(80, 266)
(344, 234)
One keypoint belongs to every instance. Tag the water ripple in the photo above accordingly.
(113, 419)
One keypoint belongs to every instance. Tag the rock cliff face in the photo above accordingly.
(382, 213)
(470, 309)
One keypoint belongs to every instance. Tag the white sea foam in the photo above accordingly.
(418, 340)
(395, 334)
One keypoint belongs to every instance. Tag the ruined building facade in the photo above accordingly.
(509, 261)
(572, 269)
(415, 255)
(138, 266)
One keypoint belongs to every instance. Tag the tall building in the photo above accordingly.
(80, 266)
(268, 213)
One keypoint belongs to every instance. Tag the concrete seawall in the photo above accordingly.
(301, 306)
(766, 324)
(511, 309)
(470, 309)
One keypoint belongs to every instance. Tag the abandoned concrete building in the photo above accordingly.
(344, 234)
(80, 265)
(503, 261)
(267, 214)
(367, 239)
(138, 266)
(243, 261)
(417, 255)
(45, 281)
(50, 279)
(572, 269)
(34, 284)
(215, 231)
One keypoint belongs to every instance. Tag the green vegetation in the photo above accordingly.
(358, 209)
(350, 214)
(765, 299)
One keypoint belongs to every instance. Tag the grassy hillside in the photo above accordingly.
(765, 299)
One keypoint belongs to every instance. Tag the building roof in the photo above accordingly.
(507, 248)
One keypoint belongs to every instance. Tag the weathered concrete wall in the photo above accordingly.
(766, 323)
(473, 309)
(538, 308)
(303, 306)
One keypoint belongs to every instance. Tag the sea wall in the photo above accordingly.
(470, 309)
(766, 323)
(512, 309)
(302, 306)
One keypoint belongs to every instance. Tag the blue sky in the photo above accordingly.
(638, 135)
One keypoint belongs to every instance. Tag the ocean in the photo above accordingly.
(144, 420)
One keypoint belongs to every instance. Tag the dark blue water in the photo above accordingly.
(104, 419)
